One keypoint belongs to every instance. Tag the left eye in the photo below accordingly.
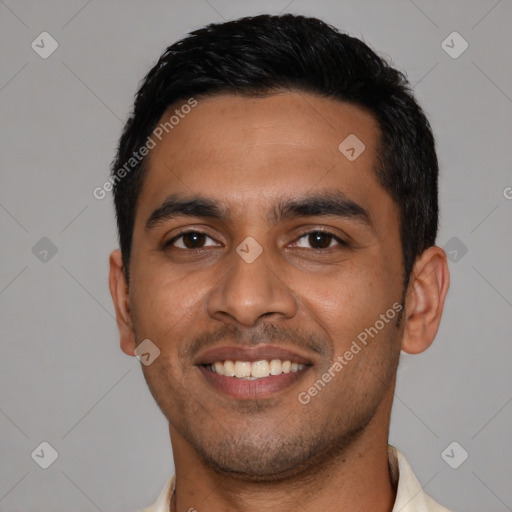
(318, 240)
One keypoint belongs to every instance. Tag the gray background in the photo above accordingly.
(63, 378)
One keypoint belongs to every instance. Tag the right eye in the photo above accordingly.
(190, 240)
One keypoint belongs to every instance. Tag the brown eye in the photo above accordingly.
(193, 240)
(319, 240)
(190, 240)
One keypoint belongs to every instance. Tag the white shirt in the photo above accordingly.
(409, 496)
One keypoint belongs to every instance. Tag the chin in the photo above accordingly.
(262, 470)
(271, 460)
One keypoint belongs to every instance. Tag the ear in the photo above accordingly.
(426, 292)
(120, 296)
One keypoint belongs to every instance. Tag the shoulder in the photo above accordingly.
(164, 498)
(410, 496)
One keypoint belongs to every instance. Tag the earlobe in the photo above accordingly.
(424, 301)
(120, 297)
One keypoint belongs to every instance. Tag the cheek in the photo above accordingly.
(164, 302)
(165, 381)
(350, 300)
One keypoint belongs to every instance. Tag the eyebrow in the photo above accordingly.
(321, 204)
(176, 206)
(325, 203)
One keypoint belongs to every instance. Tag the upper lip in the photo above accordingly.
(250, 353)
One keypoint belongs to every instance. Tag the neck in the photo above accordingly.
(355, 479)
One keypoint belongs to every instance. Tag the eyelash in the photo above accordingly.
(341, 242)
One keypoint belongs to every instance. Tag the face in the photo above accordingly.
(260, 247)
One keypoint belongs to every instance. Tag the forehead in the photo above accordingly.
(248, 152)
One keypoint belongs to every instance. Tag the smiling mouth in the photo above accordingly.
(249, 380)
(253, 370)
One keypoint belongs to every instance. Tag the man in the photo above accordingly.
(276, 199)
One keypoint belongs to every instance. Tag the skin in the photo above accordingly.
(248, 154)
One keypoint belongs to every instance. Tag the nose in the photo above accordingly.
(248, 291)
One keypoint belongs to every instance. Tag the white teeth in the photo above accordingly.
(254, 370)
(276, 367)
(219, 368)
(242, 369)
(229, 368)
(260, 369)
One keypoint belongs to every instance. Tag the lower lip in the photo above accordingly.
(250, 389)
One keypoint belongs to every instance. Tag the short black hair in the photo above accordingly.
(265, 54)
